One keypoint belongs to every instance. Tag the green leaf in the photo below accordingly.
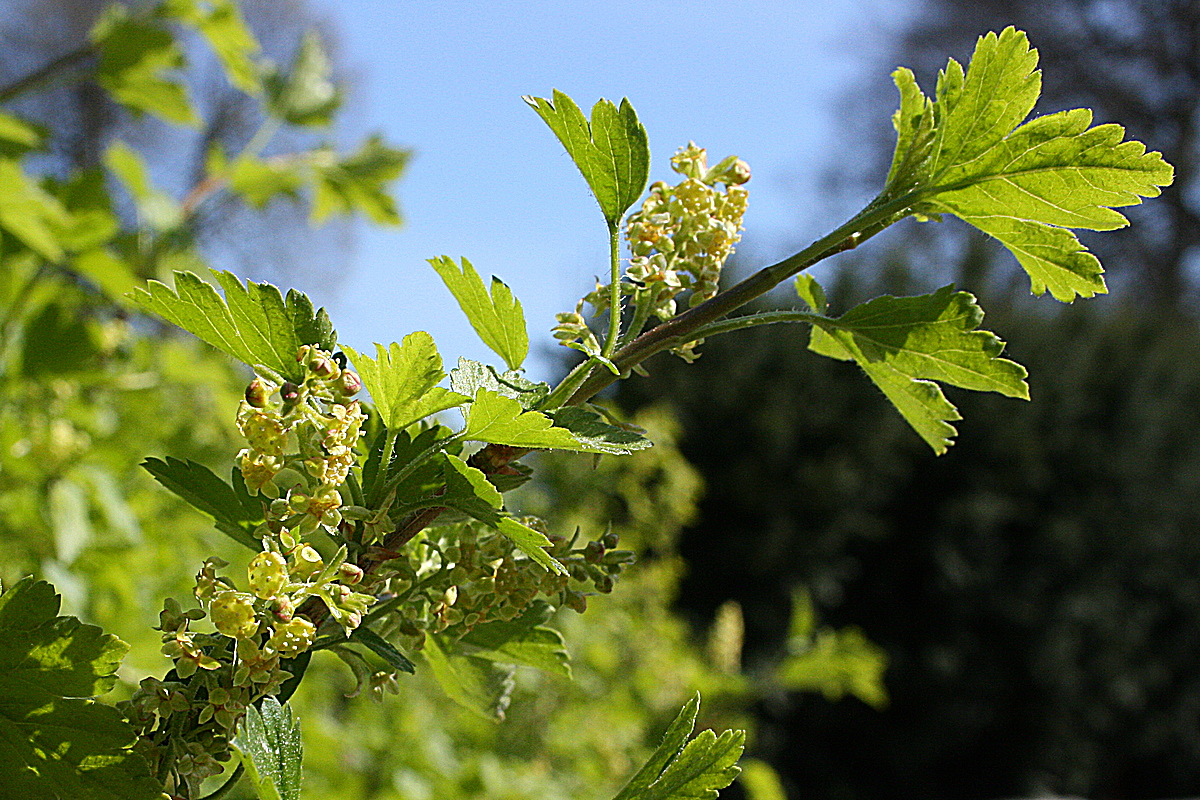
(498, 419)
(468, 490)
(498, 318)
(155, 208)
(1025, 187)
(18, 136)
(833, 662)
(234, 511)
(471, 376)
(358, 182)
(135, 58)
(522, 641)
(591, 429)
(383, 648)
(259, 181)
(56, 741)
(906, 343)
(682, 770)
(253, 322)
(612, 151)
(306, 95)
(221, 24)
(761, 781)
(29, 213)
(269, 737)
(403, 380)
(475, 684)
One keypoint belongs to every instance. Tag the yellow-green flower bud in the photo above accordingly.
(293, 637)
(233, 614)
(258, 394)
(268, 574)
(350, 573)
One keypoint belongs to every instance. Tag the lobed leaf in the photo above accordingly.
(306, 95)
(612, 151)
(476, 684)
(403, 380)
(593, 431)
(471, 376)
(1025, 186)
(253, 322)
(57, 742)
(497, 318)
(221, 24)
(497, 419)
(269, 738)
(523, 641)
(682, 770)
(136, 56)
(904, 344)
(357, 182)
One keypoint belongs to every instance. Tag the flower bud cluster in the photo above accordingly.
(679, 239)
(475, 575)
(217, 675)
(301, 441)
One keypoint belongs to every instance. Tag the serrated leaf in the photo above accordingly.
(57, 742)
(592, 430)
(1025, 187)
(221, 24)
(403, 380)
(383, 648)
(611, 151)
(522, 641)
(232, 508)
(501, 420)
(906, 343)
(469, 490)
(497, 318)
(682, 770)
(471, 376)
(476, 684)
(269, 738)
(136, 57)
(358, 182)
(253, 323)
(409, 445)
(306, 95)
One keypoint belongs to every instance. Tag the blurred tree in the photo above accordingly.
(273, 241)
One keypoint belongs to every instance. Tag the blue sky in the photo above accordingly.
(490, 182)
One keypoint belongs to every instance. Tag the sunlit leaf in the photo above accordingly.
(497, 318)
(269, 738)
(59, 743)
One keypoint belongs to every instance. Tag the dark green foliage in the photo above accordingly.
(1035, 588)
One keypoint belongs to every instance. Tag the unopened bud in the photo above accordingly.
(323, 366)
(350, 573)
(257, 393)
(451, 596)
(576, 601)
(290, 392)
(349, 384)
(593, 553)
(609, 540)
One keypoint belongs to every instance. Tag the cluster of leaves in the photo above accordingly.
(421, 518)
